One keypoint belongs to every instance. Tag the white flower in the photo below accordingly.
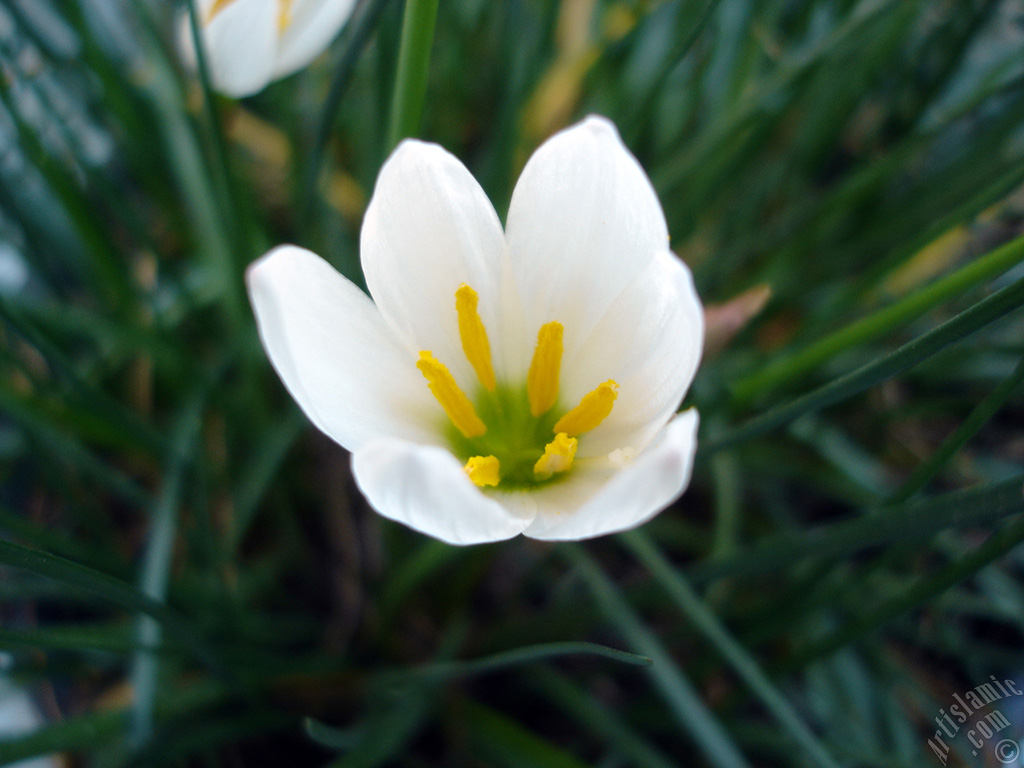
(250, 43)
(551, 356)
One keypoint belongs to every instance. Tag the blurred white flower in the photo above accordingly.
(250, 43)
(552, 355)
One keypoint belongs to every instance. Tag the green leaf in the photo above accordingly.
(329, 737)
(705, 621)
(112, 590)
(970, 426)
(785, 368)
(87, 732)
(505, 741)
(606, 725)
(156, 563)
(907, 356)
(679, 694)
(528, 655)
(918, 519)
(920, 591)
(413, 67)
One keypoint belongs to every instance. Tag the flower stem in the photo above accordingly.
(413, 62)
(360, 29)
(223, 178)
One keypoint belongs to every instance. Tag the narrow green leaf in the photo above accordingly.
(225, 180)
(923, 589)
(81, 733)
(528, 655)
(156, 564)
(90, 398)
(201, 736)
(403, 706)
(977, 418)
(259, 473)
(60, 444)
(765, 99)
(705, 621)
(329, 737)
(785, 368)
(507, 742)
(111, 638)
(907, 356)
(112, 590)
(41, 536)
(431, 556)
(357, 34)
(413, 68)
(608, 726)
(87, 732)
(686, 705)
(918, 519)
(107, 276)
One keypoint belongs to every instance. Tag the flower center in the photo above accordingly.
(511, 435)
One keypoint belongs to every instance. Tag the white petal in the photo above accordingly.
(599, 501)
(334, 353)
(650, 343)
(583, 223)
(425, 488)
(315, 23)
(428, 228)
(241, 46)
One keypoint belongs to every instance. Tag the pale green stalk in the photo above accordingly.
(413, 67)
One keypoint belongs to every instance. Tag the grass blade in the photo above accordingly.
(156, 565)
(714, 631)
(413, 68)
(907, 356)
(925, 588)
(111, 590)
(977, 418)
(913, 520)
(606, 725)
(691, 713)
(528, 655)
(784, 369)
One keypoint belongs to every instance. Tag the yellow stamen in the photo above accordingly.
(592, 410)
(451, 398)
(542, 378)
(474, 335)
(217, 7)
(558, 456)
(483, 470)
(284, 15)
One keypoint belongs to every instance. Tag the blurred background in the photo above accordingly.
(189, 577)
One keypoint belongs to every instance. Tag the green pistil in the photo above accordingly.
(514, 436)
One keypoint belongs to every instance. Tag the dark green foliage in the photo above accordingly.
(848, 555)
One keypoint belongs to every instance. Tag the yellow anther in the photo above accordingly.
(284, 15)
(474, 335)
(542, 378)
(217, 7)
(451, 398)
(558, 456)
(592, 410)
(483, 470)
